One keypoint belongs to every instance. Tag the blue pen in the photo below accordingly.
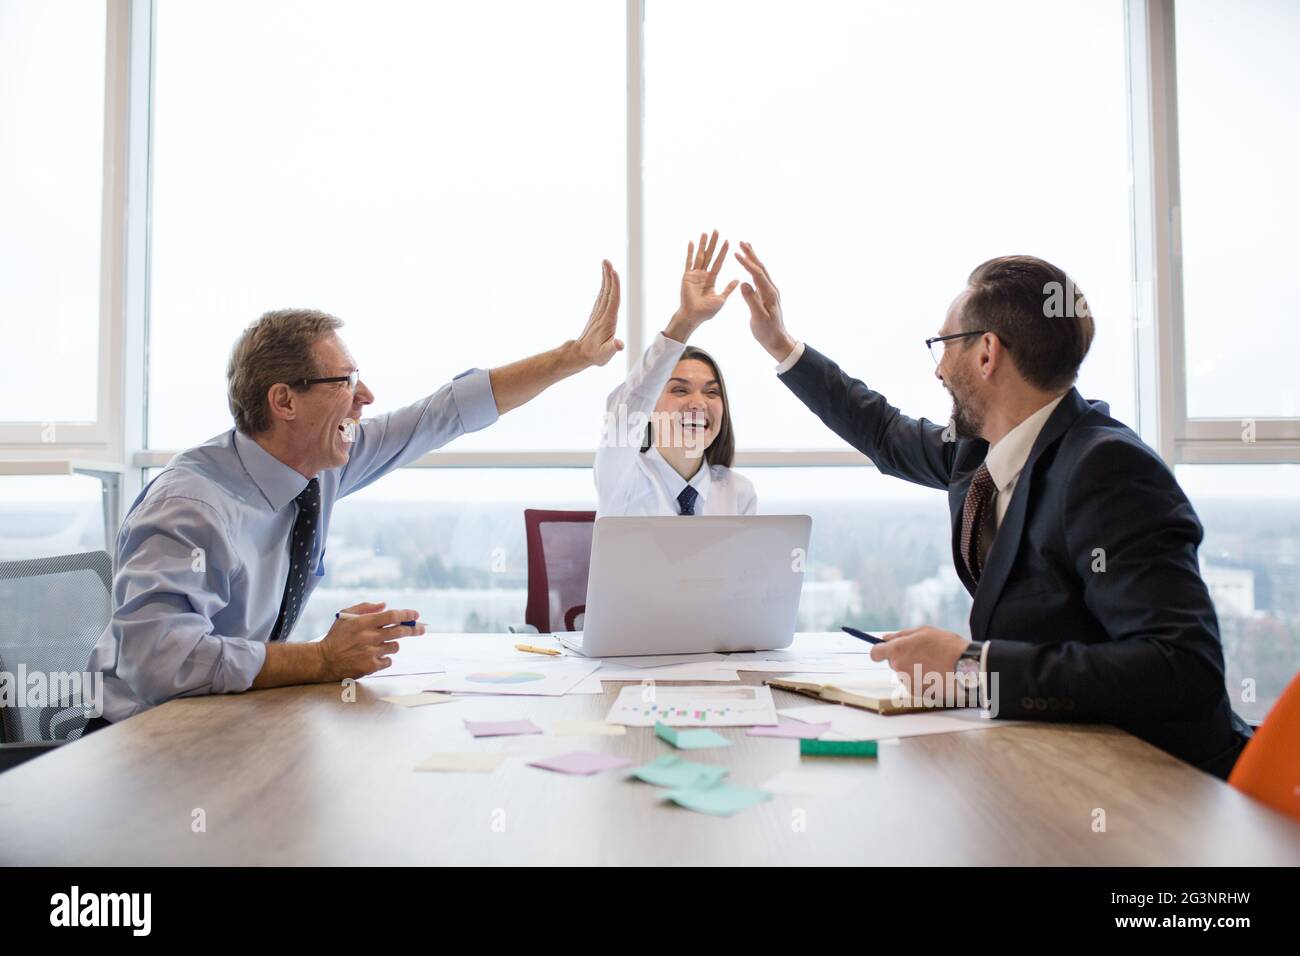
(348, 615)
(863, 635)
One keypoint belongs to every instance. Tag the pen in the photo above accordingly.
(863, 635)
(347, 616)
(537, 650)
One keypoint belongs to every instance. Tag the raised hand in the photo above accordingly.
(700, 300)
(764, 301)
(597, 345)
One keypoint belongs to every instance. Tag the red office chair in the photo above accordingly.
(1269, 767)
(559, 557)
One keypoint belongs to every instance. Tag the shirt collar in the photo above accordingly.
(278, 483)
(1007, 458)
(701, 481)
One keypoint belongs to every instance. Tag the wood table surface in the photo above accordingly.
(299, 776)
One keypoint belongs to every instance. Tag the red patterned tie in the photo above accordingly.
(974, 519)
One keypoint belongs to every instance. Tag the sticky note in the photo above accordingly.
(587, 728)
(838, 748)
(721, 799)
(670, 771)
(419, 700)
(501, 728)
(791, 730)
(580, 762)
(479, 763)
(696, 739)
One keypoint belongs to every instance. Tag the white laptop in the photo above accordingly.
(687, 585)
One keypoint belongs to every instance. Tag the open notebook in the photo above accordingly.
(879, 690)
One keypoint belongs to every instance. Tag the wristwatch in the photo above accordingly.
(968, 669)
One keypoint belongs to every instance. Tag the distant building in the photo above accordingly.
(1231, 589)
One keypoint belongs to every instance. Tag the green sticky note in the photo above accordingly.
(670, 771)
(838, 748)
(721, 799)
(690, 739)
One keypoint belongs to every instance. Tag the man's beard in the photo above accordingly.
(967, 420)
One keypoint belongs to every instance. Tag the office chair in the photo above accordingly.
(55, 609)
(559, 556)
(1269, 766)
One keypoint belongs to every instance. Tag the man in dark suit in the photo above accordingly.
(1072, 536)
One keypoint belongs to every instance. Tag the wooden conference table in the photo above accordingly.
(297, 776)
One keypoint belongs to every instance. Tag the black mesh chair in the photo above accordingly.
(54, 610)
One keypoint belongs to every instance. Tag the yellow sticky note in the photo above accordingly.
(476, 762)
(587, 728)
(419, 700)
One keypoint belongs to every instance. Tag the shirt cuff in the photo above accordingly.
(475, 403)
(240, 662)
(791, 360)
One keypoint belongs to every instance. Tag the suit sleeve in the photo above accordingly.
(909, 448)
(1132, 535)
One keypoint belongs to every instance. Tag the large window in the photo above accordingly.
(51, 175)
(874, 154)
(432, 173)
(1250, 560)
(1239, 147)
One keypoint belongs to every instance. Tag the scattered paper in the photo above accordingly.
(721, 799)
(501, 728)
(741, 706)
(547, 677)
(690, 739)
(418, 700)
(708, 672)
(580, 762)
(671, 771)
(589, 685)
(422, 654)
(660, 660)
(852, 723)
(796, 731)
(475, 762)
(814, 783)
(828, 642)
(587, 728)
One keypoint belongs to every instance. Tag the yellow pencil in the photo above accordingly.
(537, 650)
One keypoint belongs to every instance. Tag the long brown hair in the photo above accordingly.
(722, 451)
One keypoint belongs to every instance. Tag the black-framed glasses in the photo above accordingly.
(351, 378)
(936, 343)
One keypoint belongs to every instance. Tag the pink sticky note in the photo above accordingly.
(797, 731)
(580, 761)
(501, 728)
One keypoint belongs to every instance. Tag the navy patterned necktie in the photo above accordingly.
(687, 500)
(978, 525)
(300, 542)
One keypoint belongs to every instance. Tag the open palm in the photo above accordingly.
(700, 298)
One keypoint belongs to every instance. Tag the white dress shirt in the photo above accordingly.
(1005, 461)
(632, 482)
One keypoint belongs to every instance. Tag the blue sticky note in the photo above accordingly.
(721, 799)
(670, 771)
(696, 739)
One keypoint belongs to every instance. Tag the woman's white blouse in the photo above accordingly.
(629, 482)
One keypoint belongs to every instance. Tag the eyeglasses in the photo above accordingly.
(936, 343)
(351, 378)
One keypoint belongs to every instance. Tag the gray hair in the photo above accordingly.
(275, 349)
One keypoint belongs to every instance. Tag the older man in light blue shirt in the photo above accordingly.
(220, 552)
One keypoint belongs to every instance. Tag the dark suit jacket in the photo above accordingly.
(1136, 645)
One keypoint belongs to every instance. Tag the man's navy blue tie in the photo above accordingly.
(300, 542)
(687, 500)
